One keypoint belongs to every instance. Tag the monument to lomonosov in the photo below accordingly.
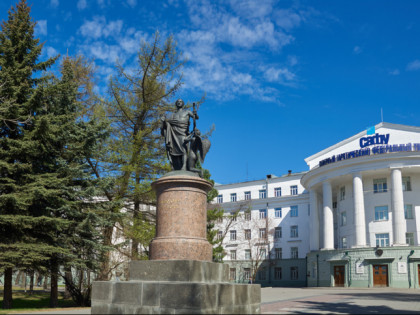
(179, 277)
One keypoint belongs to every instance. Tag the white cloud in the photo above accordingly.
(132, 3)
(103, 51)
(394, 72)
(81, 4)
(98, 27)
(288, 19)
(414, 65)
(41, 27)
(357, 50)
(50, 51)
(292, 60)
(280, 75)
(252, 9)
(131, 42)
(54, 3)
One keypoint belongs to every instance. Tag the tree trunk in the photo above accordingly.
(105, 266)
(31, 283)
(45, 286)
(38, 279)
(25, 278)
(54, 285)
(7, 293)
(69, 277)
(80, 280)
(88, 278)
(17, 279)
(136, 215)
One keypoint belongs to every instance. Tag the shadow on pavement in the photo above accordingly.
(394, 296)
(345, 308)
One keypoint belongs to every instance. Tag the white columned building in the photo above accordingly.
(397, 200)
(353, 219)
(359, 211)
(327, 214)
(314, 220)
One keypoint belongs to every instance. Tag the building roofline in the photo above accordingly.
(263, 179)
(358, 135)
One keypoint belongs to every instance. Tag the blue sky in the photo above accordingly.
(283, 79)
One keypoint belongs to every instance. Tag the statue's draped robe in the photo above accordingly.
(176, 131)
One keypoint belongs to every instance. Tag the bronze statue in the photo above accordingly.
(184, 148)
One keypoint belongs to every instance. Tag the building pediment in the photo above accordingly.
(382, 138)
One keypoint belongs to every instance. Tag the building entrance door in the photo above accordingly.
(339, 276)
(380, 275)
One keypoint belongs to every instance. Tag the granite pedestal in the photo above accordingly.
(180, 277)
(175, 287)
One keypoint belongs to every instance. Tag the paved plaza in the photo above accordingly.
(323, 300)
(340, 301)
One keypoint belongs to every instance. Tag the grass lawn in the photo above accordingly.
(25, 302)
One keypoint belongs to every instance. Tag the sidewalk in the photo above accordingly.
(320, 301)
(340, 301)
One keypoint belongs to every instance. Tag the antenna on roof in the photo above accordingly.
(246, 171)
(382, 115)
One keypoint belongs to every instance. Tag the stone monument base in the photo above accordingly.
(175, 287)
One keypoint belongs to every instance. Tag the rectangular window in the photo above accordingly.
(294, 231)
(294, 253)
(233, 235)
(406, 183)
(279, 253)
(233, 197)
(343, 218)
(219, 220)
(277, 273)
(409, 238)
(381, 213)
(263, 194)
(277, 232)
(247, 273)
(408, 211)
(219, 235)
(263, 233)
(294, 190)
(232, 274)
(379, 185)
(294, 211)
(344, 242)
(247, 234)
(247, 254)
(263, 213)
(262, 275)
(247, 215)
(263, 253)
(277, 212)
(247, 195)
(220, 199)
(277, 192)
(382, 240)
(233, 215)
(233, 255)
(342, 193)
(294, 274)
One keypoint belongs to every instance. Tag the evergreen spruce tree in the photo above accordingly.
(19, 95)
(47, 213)
(64, 183)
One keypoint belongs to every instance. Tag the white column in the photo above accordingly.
(359, 211)
(397, 199)
(314, 221)
(328, 219)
